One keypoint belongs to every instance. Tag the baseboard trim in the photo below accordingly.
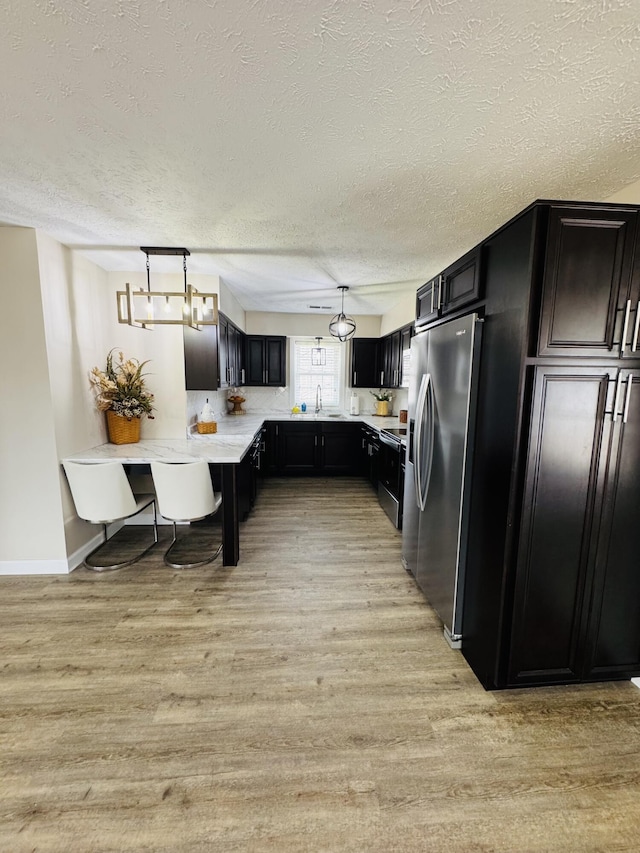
(34, 567)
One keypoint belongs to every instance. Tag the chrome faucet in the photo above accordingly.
(318, 399)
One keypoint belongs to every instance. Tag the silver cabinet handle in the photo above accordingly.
(266, 376)
(433, 295)
(242, 374)
(625, 326)
(381, 378)
(440, 283)
(627, 398)
(315, 440)
(636, 328)
(355, 374)
(615, 399)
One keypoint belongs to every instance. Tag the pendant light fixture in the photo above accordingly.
(341, 326)
(145, 309)
(318, 354)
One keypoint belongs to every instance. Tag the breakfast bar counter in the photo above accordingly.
(226, 451)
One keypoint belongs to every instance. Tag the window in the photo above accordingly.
(307, 376)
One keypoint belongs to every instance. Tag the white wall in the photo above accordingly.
(627, 195)
(274, 323)
(230, 306)
(31, 514)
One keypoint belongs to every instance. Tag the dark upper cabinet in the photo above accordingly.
(223, 350)
(460, 283)
(427, 302)
(201, 358)
(590, 301)
(265, 360)
(364, 362)
(406, 333)
(231, 353)
(390, 360)
(455, 288)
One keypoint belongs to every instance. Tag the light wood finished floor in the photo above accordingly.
(302, 701)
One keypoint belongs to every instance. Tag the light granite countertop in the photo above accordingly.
(227, 446)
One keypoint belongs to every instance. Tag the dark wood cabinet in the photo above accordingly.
(201, 358)
(427, 302)
(370, 454)
(298, 448)
(364, 362)
(564, 478)
(316, 447)
(266, 360)
(213, 356)
(406, 333)
(390, 360)
(590, 301)
(231, 357)
(613, 640)
(552, 587)
(339, 447)
(457, 287)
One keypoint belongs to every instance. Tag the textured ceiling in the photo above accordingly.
(292, 145)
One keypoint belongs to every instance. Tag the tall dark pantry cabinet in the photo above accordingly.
(552, 592)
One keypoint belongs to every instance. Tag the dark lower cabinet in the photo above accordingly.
(613, 640)
(566, 468)
(339, 448)
(313, 447)
(297, 448)
(370, 454)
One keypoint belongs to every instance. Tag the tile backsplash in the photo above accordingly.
(261, 400)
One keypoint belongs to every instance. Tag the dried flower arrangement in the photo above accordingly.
(121, 387)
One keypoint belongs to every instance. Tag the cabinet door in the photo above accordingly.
(201, 358)
(364, 362)
(615, 611)
(405, 354)
(275, 355)
(427, 302)
(265, 360)
(587, 303)
(563, 490)
(460, 283)
(298, 448)
(340, 448)
(254, 360)
(223, 351)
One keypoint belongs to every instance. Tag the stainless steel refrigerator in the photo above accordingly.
(441, 414)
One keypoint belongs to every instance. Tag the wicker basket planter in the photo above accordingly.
(122, 431)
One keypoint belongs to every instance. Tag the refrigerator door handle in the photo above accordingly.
(429, 421)
(422, 471)
(417, 437)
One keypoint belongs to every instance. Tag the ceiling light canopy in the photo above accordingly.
(342, 326)
(148, 308)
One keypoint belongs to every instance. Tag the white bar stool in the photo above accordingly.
(185, 493)
(102, 494)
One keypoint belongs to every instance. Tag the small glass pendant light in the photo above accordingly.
(318, 355)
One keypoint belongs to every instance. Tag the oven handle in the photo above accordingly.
(390, 441)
